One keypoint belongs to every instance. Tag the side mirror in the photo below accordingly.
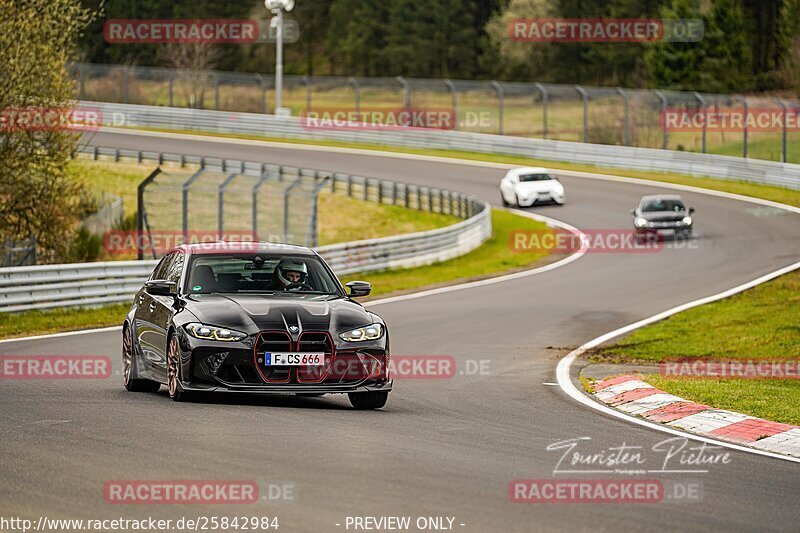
(359, 288)
(691, 210)
(161, 287)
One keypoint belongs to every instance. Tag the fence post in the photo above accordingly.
(263, 83)
(185, 203)
(286, 194)
(307, 82)
(356, 92)
(216, 91)
(221, 204)
(626, 135)
(585, 97)
(313, 219)
(349, 186)
(704, 107)
(406, 93)
(785, 108)
(545, 102)
(170, 90)
(453, 101)
(125, 83)
(743, 100)
(140, 211)
(501, 105)
(664, 134)
(256, 187)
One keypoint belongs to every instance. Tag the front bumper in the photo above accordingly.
(665, 231)
(542, 198)
(213, 366)
(293, 389)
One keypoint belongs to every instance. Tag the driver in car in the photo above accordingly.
(292, 275)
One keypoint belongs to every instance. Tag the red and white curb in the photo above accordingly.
(633, 396)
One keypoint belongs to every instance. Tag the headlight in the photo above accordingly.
(641, 222)
(213, 333)
(687, 221)
(367, 333)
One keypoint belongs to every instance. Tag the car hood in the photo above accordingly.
(530, 187)
(256, 312)
(664, 216)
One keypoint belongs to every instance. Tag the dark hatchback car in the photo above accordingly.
(254, 318)
(662, 215)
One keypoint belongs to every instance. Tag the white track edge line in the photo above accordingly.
(453, 161)
(564, 366)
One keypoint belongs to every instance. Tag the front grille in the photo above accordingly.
(273, 341)
(308, 342)
(311, 342)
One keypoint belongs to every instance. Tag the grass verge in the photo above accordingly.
(58, 320)
(492, 258)
(761, 324)
(766, 192)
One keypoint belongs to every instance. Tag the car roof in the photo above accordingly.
(529, 170)
(662, 197)
(244, 247)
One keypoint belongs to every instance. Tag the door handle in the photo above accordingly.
(152, 307)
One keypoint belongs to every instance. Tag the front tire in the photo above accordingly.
(174, 371)
(129, 373)
(368, 400)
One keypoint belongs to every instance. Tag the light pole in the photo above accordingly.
(277, 7)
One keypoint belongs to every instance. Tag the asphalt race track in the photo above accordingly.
(446, 447)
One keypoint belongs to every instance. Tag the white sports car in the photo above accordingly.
(524, 187)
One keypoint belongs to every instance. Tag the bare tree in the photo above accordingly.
(192, 62)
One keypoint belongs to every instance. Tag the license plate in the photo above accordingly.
(294, 359)
(667, 231)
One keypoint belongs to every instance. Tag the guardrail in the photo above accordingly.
(91, 284)
(623, 157)
(566, 112)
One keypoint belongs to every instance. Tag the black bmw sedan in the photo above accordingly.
(254, 318)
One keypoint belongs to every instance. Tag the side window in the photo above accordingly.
(175, 267)
(161, 267)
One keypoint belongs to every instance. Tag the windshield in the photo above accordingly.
(535, 177)
(259, 273)
(661, 204)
